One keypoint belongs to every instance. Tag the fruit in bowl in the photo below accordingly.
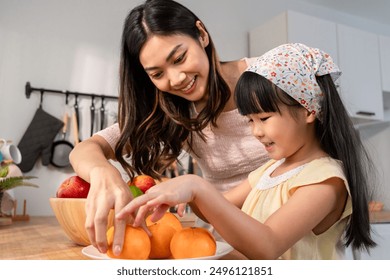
(73, 187)
(69, 209)
(143, 182)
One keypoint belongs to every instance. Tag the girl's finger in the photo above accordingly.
(181, 209)
(141, 214)
(132, 207)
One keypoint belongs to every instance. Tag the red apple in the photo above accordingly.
(73, 187)
(143, 182)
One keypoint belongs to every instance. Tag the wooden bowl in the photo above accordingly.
(70, 214)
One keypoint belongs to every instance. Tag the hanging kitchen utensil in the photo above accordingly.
(76, 109)
(102, 112)
(75, 128)
(92, 114)
(61, 148)
(76, 113)
(38, 138)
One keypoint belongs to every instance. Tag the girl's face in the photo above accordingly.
(282, 135)
(177, 64)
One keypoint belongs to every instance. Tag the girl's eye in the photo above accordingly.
(264, 119)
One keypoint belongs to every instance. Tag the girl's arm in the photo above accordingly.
(306, 210)
(236, 196)
(108, 190)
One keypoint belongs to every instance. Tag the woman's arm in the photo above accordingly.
(108, 190)
(305, 210)
(89, 154)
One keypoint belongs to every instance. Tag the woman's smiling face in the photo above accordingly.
(177, 64)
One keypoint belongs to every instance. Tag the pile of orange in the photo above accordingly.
(192, 242)
(169, 240)
(136, 245)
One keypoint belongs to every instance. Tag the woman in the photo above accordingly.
(174, 94)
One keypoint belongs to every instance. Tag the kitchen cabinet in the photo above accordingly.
(381, 235)
(294, 27)
(360, 83)
(380, 227)
(384, 49)
(352, 49)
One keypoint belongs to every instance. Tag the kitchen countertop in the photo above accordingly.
(378, 217)
(42, 238)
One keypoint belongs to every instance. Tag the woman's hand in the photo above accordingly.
(90, 160)
(108, 191)
(159, 198)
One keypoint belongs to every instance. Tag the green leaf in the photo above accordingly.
(4, 169)
(12, 182)
(135, 191)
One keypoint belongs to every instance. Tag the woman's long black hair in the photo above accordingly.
(337, 136)
(154, 125)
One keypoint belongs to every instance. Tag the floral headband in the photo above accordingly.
(293, 68)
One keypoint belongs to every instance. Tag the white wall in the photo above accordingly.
(74, 45)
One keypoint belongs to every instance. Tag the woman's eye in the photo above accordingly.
(180, 58)
(156, 75)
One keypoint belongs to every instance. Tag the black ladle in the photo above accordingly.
(102, 112)
(92, 114)
(76, 109)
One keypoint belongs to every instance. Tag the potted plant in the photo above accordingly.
(7, 183)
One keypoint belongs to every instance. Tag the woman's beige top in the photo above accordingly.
(269, 193)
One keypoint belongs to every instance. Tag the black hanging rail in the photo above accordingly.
(29, 89)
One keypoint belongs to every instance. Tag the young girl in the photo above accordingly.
(313, 193)
(175, 94)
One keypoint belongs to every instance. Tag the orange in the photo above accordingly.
(160, 240)
(169, 219)
(193, 242)
(136, 245)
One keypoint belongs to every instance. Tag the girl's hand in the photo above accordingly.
(159, 198)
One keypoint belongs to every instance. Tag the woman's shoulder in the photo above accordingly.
(249, 60)
(111, 134)
(244, 61)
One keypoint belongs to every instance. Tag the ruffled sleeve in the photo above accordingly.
(111, 134)
(319, 171)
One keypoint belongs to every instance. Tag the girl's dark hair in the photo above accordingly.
(338, 138)
(154, 125)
